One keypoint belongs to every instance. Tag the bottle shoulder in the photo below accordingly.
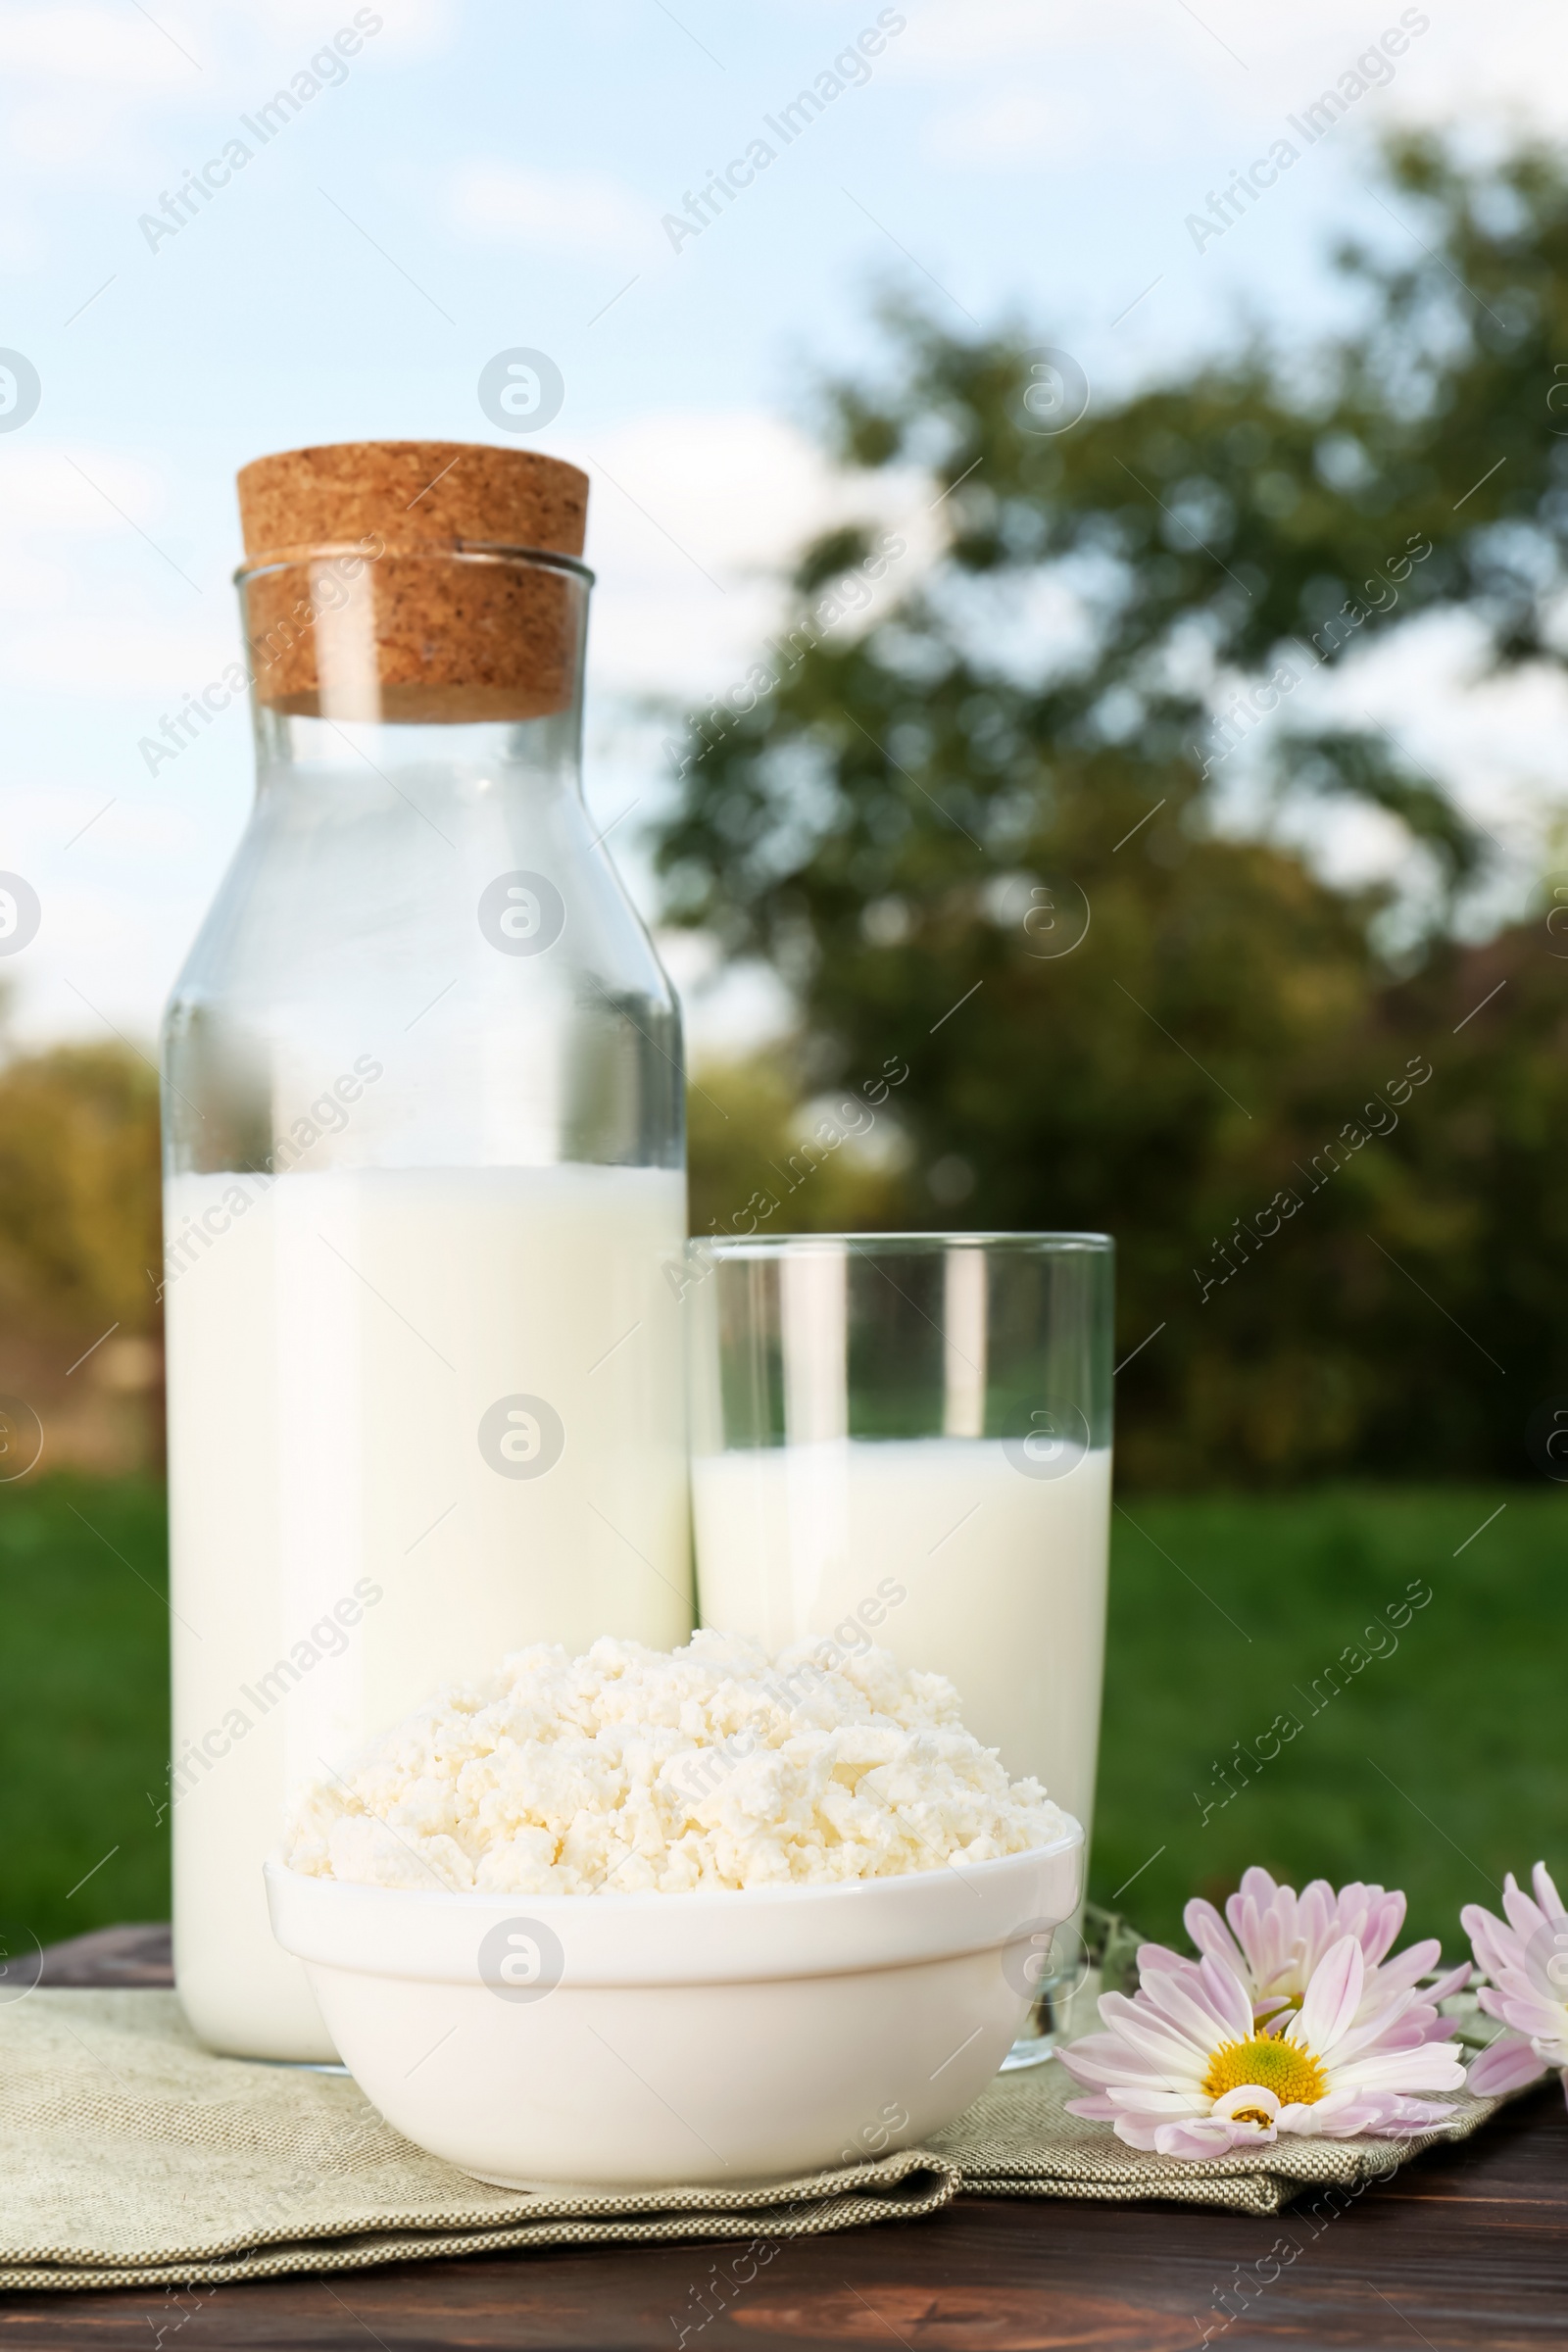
(533, 914)
(486, 960)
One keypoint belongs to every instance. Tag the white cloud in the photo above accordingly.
(192, 48)
(1238, 64)
(573, 212)
(70, 517)
(115, 656)
(1233, 37)
(409, 28)
(78, 488)
(1015, 127)
(412, 29)
(739, 488)
(92, 44)
(96, 93)
(31, 585)
(981, 32)
(1490, 743)
(691, 518)
(75, 129)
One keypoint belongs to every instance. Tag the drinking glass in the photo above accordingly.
(905, 1439)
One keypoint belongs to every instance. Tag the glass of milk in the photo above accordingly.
(905, 1439)
(424, 1176)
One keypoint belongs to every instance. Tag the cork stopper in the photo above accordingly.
(383, 580)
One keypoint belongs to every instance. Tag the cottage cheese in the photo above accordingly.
(632, 1770)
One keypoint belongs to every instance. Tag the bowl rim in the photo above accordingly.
(444, 1900)
(652, 1938)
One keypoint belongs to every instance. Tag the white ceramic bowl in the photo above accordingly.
(650, 2038)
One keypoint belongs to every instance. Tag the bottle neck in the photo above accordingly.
(443, 662)
(344, 766)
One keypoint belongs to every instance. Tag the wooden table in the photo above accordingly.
(1466, 2247)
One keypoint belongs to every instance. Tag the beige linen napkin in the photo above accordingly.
(130, 2156)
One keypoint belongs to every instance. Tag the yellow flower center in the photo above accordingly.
(1291, 2074)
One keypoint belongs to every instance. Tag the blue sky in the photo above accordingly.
(483, 177)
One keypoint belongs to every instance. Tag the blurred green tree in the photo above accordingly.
(80, 1238)
(81, 1252)
(1330, 1166)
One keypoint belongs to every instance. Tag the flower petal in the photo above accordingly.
(1138, 2022)
(1269, 1924)
(1384, 1919)
(1429, 2066)
(1504, 2065)
(1492, 1942)
(1098, 2110)
(1137, 2131)
(1332, 1997)
(1205, 2136)
(1407, 1968)
(1229, 1996)
(1209, 1933)
(1246, 2096)
(1138, 2098)
(1195, 2008)
(1453, 1980)
(1546, 1894)
(1524, 1916)
(1100, 2058)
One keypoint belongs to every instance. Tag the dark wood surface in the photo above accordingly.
(1467, 2247)
(114, 1956)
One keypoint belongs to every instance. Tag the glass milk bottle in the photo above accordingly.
(424, 1176)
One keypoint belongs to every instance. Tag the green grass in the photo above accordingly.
(84, 1706)
(1438, 1767)
(1435, 1769)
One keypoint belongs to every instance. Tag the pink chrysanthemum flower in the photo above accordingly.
(1186, 2070)
(1527, 1960)
(1277, 1939)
